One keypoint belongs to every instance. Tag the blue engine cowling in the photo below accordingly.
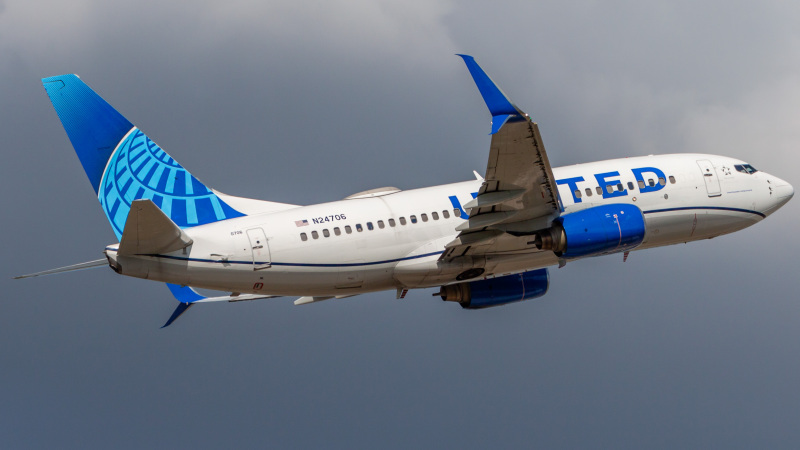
(498, 291)
(599, 230)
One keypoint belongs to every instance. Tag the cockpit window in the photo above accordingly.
(745, 168)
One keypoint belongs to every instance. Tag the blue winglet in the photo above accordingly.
(182, 308)
(186, 296)
(498, 103)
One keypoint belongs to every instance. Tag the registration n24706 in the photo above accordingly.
(331, 218)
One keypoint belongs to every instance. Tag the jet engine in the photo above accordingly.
(599, 230)
(497, 291)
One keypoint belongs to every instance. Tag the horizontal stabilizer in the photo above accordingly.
(74, 267)
(188, 297)
(148, 231)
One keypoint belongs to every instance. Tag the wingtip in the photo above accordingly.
(182, 308)
(500, 106)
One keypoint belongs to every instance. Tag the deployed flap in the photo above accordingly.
(149, 231)
(519, 194)
(310, 300)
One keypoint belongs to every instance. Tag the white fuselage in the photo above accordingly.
(389, 241)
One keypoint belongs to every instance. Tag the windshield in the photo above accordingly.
(745, 168)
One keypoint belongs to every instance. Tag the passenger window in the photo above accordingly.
(446, 214)
(337, 231)
(671, 179)
(588, 192)
(380, 224)
(326, 233)
(457, 212)
(359, 228)
(413, 218)
(402, 221)
(641, 184)
(369, 226)
(619, 187)
(391, 222)
(651, 182)
(435, 215)
(424, 217)
(609, 188)
(662, 181)
(315, 235)
(577, 193)
(348, 229)
(599, 190)
(303, 237)
(630, 185)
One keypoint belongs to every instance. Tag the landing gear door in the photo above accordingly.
(260, 248)
(710, 178)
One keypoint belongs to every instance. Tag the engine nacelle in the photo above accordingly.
(497, 291)
(599, 230)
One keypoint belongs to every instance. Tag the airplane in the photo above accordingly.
(482, 243)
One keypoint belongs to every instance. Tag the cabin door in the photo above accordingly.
(710, 178)
(260, 248)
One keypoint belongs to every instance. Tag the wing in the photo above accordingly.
(518, 196)
(187, 297)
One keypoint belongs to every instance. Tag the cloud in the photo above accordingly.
(306, 102)
(763, 126)
(182, 29)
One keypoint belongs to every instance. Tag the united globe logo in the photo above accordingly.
(140, 169)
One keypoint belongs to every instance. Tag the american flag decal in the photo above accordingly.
(301, 223)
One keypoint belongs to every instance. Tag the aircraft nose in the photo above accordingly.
(780, 193)
(783, 190)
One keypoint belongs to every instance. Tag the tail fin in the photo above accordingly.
(124, 165)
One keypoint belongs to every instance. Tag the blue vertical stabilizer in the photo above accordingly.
(124, 165)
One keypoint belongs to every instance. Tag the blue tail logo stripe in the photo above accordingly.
(139, 168)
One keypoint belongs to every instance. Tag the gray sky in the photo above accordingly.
(690, 346)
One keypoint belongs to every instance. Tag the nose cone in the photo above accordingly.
(781, 193)
(783, 190)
